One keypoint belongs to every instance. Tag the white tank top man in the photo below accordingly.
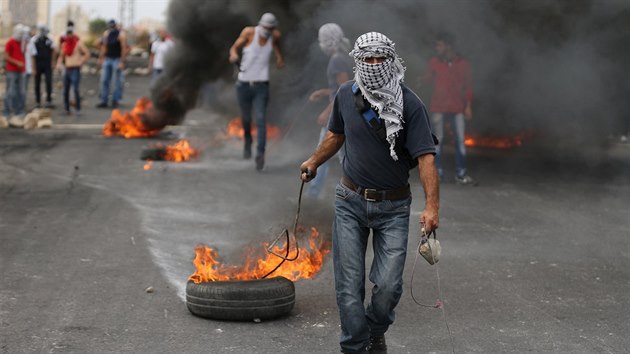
(252, 87)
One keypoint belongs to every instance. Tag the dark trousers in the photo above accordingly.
(72, 78)
(45, 70)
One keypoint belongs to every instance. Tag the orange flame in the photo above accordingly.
(235, 129)
(129, 124)
(180, 151)
(306, 266)
(497, 142)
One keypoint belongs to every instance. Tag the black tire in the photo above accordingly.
(155, 154)
(241, 300)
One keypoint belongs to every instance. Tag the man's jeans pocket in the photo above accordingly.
(341, 192)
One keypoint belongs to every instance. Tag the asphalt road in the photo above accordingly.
(535, 259)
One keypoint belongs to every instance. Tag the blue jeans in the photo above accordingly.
(155, 74)
(25, 80)
(458, 125)
(110, 67)
(253, 95)
(389, 221)
(71, 78)
(13, 97)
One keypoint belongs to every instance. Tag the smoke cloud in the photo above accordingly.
(556, 67)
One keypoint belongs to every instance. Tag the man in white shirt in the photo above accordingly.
(159, 48)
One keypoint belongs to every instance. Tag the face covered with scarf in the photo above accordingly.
(380, 80)
(332, 40)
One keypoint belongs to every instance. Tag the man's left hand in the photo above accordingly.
(430, 219)
(121, 65)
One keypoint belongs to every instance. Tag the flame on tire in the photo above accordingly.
(306, 266)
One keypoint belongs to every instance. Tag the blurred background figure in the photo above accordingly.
(14, 67)
(449, 75)
(72, 56)
(29, 51)
(44, 52)
(159, 48)
(113, 53)
(336, 46)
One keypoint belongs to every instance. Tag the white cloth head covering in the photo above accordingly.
(18, 31)
(331, 39)
(380, 83)
(268, 20)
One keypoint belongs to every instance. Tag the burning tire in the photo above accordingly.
(241, 300)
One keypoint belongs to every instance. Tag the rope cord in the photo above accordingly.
(286, 232)
(439, 304)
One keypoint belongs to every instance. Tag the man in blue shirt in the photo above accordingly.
(374, 192)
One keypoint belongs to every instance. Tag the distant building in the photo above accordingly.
(70, 12)
(28, 12)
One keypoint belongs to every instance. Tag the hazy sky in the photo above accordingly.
(109, 8)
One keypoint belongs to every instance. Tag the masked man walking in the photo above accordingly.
(386, 131)
(252, 87)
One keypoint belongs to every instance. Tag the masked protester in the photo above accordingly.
(44, 53)
(72, 56)
(252, 87)
(385, 131)
(14, 67)
(112, 56)
(336, 46)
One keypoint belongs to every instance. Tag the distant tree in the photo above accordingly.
(98, 26)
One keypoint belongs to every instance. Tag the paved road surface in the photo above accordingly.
(536, 258)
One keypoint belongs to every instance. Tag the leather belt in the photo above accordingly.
(374, 195)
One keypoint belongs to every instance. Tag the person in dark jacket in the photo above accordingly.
(111, 59)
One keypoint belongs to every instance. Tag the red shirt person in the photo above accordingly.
(14, 97)
(449, 75)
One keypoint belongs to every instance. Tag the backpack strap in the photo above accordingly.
(368, 113)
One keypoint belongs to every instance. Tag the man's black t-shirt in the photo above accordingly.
(367, 161)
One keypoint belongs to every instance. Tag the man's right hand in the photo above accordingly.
(99, 62)
(233, 58)
(308, 171)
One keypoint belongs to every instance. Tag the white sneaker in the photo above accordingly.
(16, 122)
(4, 122)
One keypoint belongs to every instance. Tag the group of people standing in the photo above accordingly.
(382, 130)
(37, 55)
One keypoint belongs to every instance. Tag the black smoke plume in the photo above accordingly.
(558, 67)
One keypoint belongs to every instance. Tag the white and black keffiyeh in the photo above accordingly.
(380, 83)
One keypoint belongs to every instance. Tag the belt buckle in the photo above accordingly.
(365, 194)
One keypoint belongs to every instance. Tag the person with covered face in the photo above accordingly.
(72, 57)
(14, 71)
(252, 87)
(44, 52)
(385, 131)
(333, 43)
(112, 57)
